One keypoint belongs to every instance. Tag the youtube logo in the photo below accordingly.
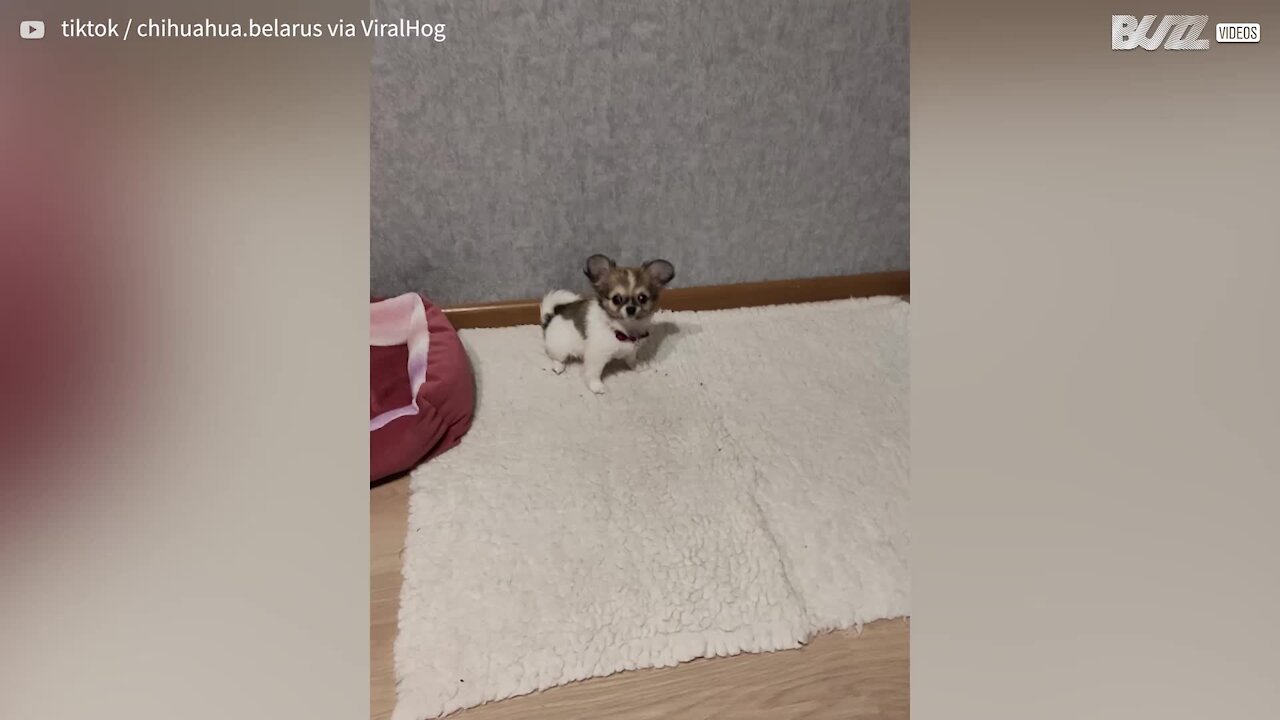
(31, 29)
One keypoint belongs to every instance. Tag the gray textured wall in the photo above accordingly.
(740, 139)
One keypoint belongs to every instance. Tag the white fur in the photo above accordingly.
(600, 345)
(752, 493)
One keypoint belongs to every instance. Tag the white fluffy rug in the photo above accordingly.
(744, 490)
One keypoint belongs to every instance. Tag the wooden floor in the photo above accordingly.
(836, 676)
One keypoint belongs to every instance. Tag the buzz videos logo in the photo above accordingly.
(1175, 32)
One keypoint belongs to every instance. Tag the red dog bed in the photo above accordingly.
(421, 387)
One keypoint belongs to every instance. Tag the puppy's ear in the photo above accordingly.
(661, 271)
(598, 268)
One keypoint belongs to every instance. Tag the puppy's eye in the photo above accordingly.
(617, 300)
(642, 299)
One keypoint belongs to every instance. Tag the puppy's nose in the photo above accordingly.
(631, 309)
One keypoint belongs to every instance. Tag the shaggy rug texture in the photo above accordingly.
(741, 491)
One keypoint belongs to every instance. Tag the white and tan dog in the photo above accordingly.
(609, 326)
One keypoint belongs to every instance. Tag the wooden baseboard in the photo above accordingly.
(708, 297)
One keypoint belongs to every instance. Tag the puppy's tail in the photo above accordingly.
(553, 300)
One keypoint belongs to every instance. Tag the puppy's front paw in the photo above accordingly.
(557, 367)
(595, 386)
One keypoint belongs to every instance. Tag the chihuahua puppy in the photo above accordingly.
(609, 326)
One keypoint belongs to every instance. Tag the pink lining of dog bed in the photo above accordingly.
(402, 321)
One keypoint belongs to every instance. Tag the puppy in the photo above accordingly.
(609, 326)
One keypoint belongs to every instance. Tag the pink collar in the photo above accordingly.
(623, 337)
